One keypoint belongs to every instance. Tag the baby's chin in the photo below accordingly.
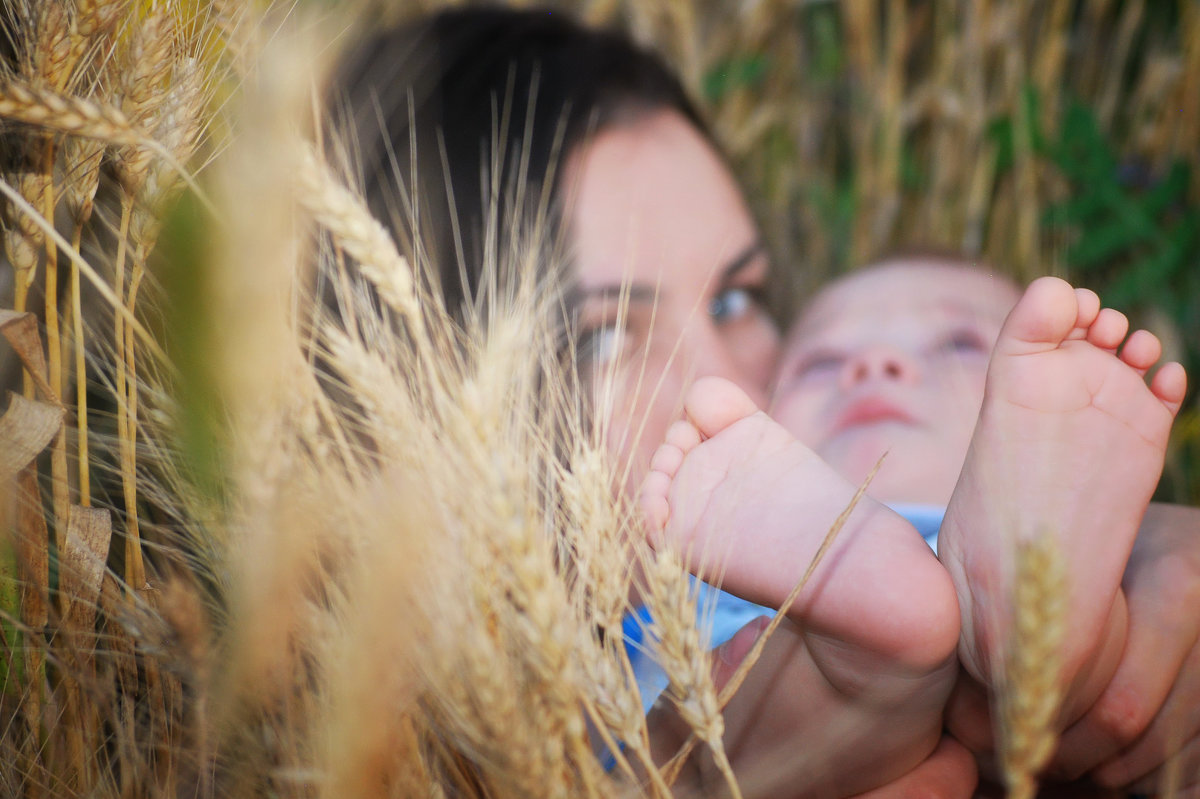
(906, 475)
(901, 490)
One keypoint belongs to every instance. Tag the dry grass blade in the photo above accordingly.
(26, 428)
(1032, 689)
(81, 575)
(20, 329)
(33, 562)
(66, 113)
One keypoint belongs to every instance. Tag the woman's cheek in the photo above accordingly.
(759, 345)
(641, 403)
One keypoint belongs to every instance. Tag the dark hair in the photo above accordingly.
(491, 101)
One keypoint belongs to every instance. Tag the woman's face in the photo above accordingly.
(671, 272)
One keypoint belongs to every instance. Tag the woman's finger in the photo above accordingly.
(1161, 581)
(1174, 730)
(1179, 773)
(948, 773)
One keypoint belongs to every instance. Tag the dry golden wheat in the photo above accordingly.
(344, 216)
(1032, 683)
(66, 114)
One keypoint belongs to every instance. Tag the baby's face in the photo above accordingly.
(893, 359)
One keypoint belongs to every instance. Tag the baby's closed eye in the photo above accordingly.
(964, 342)
(816, 365)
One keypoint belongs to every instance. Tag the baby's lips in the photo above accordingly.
(868, 410)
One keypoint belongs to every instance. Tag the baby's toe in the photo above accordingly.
(1087, 304)
(682, 435)
(1142, 350)
(667, 459)
(1169, 384)
(713, 404)
(1108, 329)
(1043, 318)
(653, 501)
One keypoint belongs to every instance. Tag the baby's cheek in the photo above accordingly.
(797, 411)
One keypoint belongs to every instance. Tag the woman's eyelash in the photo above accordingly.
(733, 301)
(597, 344)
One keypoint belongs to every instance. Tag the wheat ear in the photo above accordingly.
(685, 659)
(1033, 690)
(342, 213)
(65, 114)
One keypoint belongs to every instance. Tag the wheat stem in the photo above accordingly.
(135, 573)
(58, 459)
(81, 406)
(93, 277)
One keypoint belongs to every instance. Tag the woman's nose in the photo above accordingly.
(883, 363)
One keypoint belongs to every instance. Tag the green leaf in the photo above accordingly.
(735, 73)
(1170, 190)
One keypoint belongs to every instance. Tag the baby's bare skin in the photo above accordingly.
(740, 497)
(1070, 443)
(1070, 438)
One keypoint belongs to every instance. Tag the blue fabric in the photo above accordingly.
(719, 614)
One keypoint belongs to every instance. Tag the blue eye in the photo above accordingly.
(602, 345)
(733, 303)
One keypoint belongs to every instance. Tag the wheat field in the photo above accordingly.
(278, 526)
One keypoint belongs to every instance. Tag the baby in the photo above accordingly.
(1022, 414)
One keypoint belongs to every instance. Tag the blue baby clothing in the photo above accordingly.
(720, 614)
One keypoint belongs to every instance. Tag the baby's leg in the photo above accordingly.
(749, 506)
(1070, 443)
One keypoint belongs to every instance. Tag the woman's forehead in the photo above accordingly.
(652, 200)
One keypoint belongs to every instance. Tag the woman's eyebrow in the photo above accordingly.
(635, 292)
(742, 260)
(639, 292)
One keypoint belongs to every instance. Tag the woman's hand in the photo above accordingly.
(948, 773)
(1150, 709)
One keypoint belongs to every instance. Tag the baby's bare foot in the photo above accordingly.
(1070, 442)
(749, 506)
(873, 663)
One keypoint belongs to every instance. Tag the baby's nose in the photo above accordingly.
(885, 363)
